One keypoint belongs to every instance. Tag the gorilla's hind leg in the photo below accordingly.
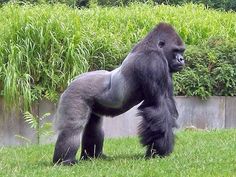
(66, 147)
(71, 120)
(93, 137)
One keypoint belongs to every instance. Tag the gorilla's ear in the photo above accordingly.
(161, 43)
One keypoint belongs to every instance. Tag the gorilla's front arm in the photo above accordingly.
(158, 118)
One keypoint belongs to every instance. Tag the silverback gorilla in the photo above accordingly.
(144, 76)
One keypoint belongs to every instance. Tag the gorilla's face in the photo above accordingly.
(174, 54)
(176, 59)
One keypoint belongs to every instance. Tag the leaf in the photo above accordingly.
(31, 120)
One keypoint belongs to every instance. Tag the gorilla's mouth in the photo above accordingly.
(176, 68)
(180, 67)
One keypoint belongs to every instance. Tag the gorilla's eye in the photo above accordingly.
(161, 44)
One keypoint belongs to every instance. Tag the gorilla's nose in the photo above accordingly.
(180, 59)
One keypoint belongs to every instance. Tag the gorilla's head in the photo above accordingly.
(172, 45)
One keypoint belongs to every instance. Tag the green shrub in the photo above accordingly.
(43, 47)
(210, 70)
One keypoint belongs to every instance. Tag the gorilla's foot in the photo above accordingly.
(153, 154)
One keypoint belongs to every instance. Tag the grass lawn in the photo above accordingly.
(197, 153)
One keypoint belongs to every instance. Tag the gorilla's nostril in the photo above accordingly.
(181, 60)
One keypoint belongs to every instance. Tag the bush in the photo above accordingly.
(210, 69)
(43, 47)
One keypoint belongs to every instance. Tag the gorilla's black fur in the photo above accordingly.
(144, 76)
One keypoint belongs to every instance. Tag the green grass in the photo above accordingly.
(197, 153)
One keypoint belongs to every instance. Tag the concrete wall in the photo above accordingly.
(13, 129)
(214, 113)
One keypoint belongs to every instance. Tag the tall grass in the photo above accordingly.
(39, 51)
(129, 24)
(43, 47)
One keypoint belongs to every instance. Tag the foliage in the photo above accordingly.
(196, 153)
(36, 123)
(210, 69)
(216, 4)
(39, 51)
(43, 47)
(41, 127)
(71, 3)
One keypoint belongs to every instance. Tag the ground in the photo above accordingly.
(197, 153)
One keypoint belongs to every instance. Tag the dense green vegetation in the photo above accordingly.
(43, 47)
(200, 153)
(39, 51)
(217, 4)
(71, 3)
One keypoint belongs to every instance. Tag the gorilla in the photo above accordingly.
(145, 76)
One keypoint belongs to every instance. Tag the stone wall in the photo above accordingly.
(213, 113)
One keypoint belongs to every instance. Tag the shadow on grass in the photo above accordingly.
(103, 158)
(128, 157)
